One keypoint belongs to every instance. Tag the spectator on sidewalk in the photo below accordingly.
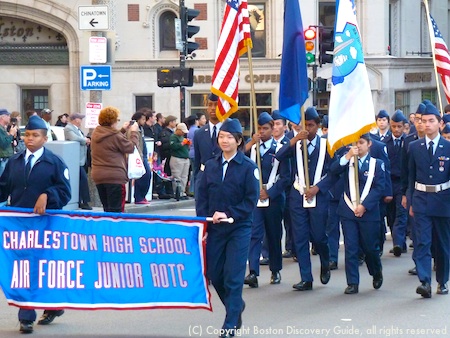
(142, 184)
(165, 190)
(179, 157)
(72, 132)
(109, 149)
(192, 125)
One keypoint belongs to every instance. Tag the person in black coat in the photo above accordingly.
(38, 179)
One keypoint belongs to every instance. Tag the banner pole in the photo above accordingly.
(305, 149)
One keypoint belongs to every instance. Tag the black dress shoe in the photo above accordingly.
(303, 286)
(397, 251)
(325, 274)
(287, 254)
(49, 315)
(26, 326)
(442, 289)
(361, 259)
(85, 206)
(413, 271)
(351, 289)
(275, 278)
(424, 290)
(313, 251)
(377, 280)
(251, 280)
(239, 323)
(333, 265)
(264, 261)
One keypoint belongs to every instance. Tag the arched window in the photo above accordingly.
(167, 31)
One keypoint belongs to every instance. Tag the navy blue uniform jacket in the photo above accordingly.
(204, 148)
(236, 195)
(426, 171)
(372, 201)
(49, 175)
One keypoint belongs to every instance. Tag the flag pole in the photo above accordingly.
(254, 114)
(305, 149)
(432, 38)
(356, 166)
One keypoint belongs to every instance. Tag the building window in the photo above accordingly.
(257, 13)
(402, 101)
(429, 94)
(167, 31)
(263, 103)
(34, 99)
(143, 101)
(133, 12)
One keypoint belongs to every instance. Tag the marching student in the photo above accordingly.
(275, 178)
(383, 120)
(307, 218)
(361, 222)
(395, 212)
(228, 187)
(38, 179)
(429, 181)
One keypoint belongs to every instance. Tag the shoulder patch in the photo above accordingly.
(66, 173)
(256, 173)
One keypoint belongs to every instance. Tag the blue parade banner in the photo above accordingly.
(85, 260)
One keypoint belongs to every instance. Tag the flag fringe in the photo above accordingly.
(349, 139)
(233, 104)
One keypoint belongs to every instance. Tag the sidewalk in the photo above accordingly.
(154, 206)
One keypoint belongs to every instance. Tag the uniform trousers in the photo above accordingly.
(226, 253)
(397, 217)
(424, 228)
(309, 223)
(361, 235)
(142, 184)
(333, 230)
(288, 243)
(268, 221)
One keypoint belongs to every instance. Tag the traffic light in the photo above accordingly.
(175, 77)
(310, 45)
(187, 30)
(326, 45)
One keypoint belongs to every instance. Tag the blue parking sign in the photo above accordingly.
(95, 77)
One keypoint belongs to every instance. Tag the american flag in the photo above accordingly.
(234, 41)
(442, 58)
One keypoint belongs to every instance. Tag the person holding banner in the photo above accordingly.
(309, 205)
(360, 217)
(228, 187)
(38, 179)
(268, 219)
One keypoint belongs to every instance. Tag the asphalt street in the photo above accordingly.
(275, 310)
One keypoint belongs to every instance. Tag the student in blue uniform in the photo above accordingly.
(395, 212)
(429, 181)
(275, 178)
(228, 187)
(360, 222)
(37, 179)
(383, 120)
(407, 194)
(205, 140)
(309, 221)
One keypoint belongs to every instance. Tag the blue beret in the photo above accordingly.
(431, 110)
(311, 113)
(446, 129)
(420, 108)
(232, 126)
(35, 122)
(398, 116)
(325, 121)
(382, 113)
(446, 118)
(264, 118)
(277, 116)
(3, 111)
(213, 97)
